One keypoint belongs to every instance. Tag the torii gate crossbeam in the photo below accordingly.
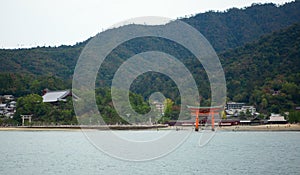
(206, 111)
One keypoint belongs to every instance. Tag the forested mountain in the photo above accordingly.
(255, 66)
(224, 30)
(236, 27)
(41, 60)
(266, 72)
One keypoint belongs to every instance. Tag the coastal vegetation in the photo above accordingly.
(62, 112)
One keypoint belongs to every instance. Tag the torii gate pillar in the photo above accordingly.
(212, 110)
(26, 117)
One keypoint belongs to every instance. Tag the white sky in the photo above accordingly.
(30, 23)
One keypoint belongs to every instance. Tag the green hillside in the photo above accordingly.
(236, 27)
(255, 66)
(224, 30)
(256, 71)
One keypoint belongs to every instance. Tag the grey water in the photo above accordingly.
(70, 152)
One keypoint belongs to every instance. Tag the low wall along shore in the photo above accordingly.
(77, 127)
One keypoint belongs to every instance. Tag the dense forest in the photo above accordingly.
(258, 47)
(266, 72)
(236, 27)
(224, 30)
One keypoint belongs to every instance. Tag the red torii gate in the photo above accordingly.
(205, 110)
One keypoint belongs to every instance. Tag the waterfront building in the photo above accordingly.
(277, 119)
(245, 122)
(229, 122)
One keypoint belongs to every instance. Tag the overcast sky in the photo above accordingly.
(30, 23)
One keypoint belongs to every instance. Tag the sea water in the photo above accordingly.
(70, 152)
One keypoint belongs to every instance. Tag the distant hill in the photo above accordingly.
(266, 72)
(236, 27)
(255, 65)
(41, 61)
(224, 30)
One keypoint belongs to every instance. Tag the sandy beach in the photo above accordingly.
(37, 129)
(270, 127)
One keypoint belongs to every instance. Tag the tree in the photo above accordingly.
(291, 89)
(294, 117)
(248, 113)
(168, 110)
(168, 103)
(31, 104)
(223, 114)
(264, 103)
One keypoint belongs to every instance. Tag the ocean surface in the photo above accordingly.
(70, 152)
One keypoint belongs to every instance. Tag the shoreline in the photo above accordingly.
(79, 128)
(270, 127)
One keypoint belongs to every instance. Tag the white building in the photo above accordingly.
(234, 108)
(160, 107)
(276, 119)
(234, 105)
(8, 97)
(8, 106)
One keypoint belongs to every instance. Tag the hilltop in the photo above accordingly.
(258, 47)
(224, 30)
